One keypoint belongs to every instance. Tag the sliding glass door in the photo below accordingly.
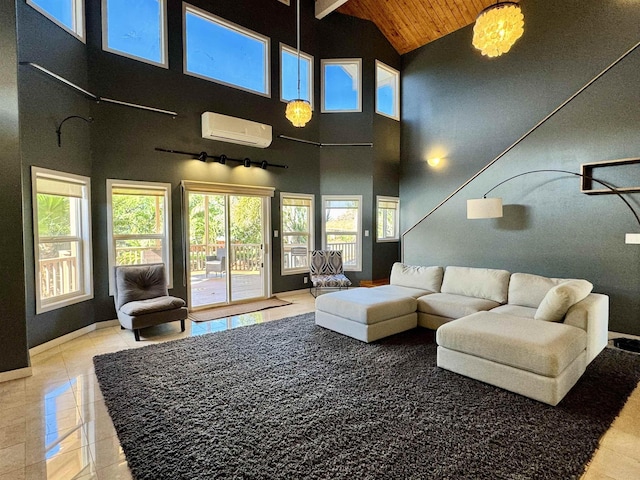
(226, 247)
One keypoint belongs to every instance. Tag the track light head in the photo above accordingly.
(222, 159)
(247, 162)
(264, 164)
(202, 156)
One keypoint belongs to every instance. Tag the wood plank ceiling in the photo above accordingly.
(409, 24)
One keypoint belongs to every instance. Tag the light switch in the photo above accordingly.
(366, 233)
(275, 234)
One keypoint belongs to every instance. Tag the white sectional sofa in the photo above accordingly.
(526, 333)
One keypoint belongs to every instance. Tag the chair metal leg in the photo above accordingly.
(136, 333)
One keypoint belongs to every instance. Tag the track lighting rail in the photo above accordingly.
(223, 159)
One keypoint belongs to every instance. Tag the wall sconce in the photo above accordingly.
(481, 208)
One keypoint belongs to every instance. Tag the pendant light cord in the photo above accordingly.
(298, 41)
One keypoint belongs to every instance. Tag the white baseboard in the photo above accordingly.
(15, 374)
(624, 335)
(292, 292)
(43, 347)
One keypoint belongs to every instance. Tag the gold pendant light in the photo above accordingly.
(298, 111)
(497, 28)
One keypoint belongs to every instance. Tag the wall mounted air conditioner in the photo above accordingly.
(235, 130)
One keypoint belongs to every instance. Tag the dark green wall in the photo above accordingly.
(468, 108)
(13, 340)
(366, 171)
(120, 142)
(44, 103)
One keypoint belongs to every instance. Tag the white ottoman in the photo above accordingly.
(537, 359)
(366, 314)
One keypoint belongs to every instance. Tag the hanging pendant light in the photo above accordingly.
(497, 28)
(298, 111)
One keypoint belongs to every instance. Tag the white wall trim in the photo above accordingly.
(70, 336)
(15, 374)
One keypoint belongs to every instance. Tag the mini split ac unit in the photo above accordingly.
(235, 130)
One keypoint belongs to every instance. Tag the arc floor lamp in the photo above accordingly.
(480, 208)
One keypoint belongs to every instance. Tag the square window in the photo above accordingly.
(68, 14)
(62, 239)
(388, 214)
(135, 29)
(217, 50)
(296, 211)
(289, 75)
(387, 91)
(341, 85)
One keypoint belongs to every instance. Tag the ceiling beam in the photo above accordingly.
(325, 7)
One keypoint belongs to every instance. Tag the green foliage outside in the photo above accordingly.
(54, 215)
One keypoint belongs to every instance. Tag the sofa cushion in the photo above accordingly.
(528, 290)
(453, 306)
(152, 305)
(484, 283)
(424, 278)
(515, 310)
(560, 298)
(364, 305)
(540, 347)
(400, 291)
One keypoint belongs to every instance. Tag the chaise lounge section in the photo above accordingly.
(526, 333)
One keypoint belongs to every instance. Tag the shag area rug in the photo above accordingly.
(290, 400)
(231, 310)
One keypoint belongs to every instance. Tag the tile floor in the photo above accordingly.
(54, 424)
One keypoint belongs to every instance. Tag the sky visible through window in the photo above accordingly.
(217, 52)
(340, 89)
(387, 81)
(61, 10)
(135, 27)
(290, 76)
(385, 100)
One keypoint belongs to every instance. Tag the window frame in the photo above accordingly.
(83, 237)
(187, 7)
(340, 61)
(359, 199)
(310, 232)
(163, 37)
(396, 94)
(167, 248)
(78, 17)
(284, 47)
(396, 227)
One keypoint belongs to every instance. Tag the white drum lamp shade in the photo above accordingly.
(484, 208)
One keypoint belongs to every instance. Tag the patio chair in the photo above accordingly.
(216, 263)
(142, 299)
(326, 271)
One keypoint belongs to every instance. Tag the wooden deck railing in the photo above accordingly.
(58, 276)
